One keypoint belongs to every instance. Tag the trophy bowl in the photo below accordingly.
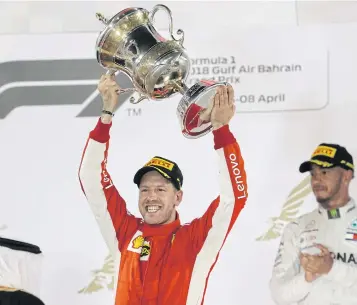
(130, 44)
(158, 67)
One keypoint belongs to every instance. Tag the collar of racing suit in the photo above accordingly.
(341, 212)
(161, 230)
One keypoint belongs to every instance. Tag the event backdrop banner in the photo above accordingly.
(294, 88)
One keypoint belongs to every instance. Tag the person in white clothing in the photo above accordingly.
(316, 262)
(20, 273)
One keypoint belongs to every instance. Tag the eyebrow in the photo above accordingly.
(160, 185)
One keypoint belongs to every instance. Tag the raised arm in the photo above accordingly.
(288, 285)
(108, 207)
(213, 227)
(215, 224)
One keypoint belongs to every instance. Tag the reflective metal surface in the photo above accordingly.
(158, 67)
(130, 44)
(193, 107)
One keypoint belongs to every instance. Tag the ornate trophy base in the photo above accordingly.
(195, 106)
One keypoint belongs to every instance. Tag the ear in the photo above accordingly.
(348, 176)
(178, 197)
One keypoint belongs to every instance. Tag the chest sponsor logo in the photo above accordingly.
(351, 236)
(352, 228)
(141, 246)
(145, 251)
(348, 258)
(333, 214)
(136, 242)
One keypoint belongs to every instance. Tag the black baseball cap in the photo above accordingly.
(329, 155)
(167, 168)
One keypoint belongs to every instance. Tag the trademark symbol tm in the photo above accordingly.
(134, 111)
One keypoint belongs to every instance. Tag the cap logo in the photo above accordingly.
(324, 151)
(161, 163)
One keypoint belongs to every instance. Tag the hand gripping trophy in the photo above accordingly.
(157, 67)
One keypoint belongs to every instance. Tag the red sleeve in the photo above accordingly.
(109, 208)
(223, 137)
(101, 132)
(216, 223)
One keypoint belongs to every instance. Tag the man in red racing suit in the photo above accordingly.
(162, 262)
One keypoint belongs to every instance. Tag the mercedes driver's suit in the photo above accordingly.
(163, 264)
(337, 231)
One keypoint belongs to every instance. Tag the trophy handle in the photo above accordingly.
(168, 11)
(132, 99)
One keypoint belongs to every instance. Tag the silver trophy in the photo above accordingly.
(157, 67)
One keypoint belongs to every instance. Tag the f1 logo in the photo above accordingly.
(53, 82)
